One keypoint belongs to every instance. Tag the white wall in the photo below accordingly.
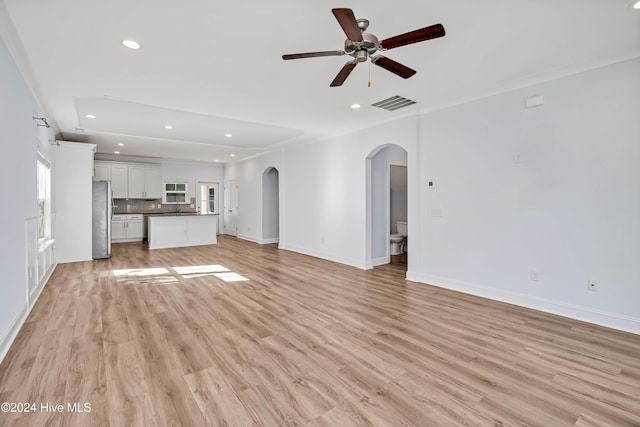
(193, 173)
(21, 140)
(72, 173)
(248, 176)
(322, 192)
(555, 189)
(567, 205)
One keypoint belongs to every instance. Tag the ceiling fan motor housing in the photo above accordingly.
(369, 44)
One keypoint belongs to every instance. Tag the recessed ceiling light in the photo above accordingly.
(228, 135)
(355, 106)
(636, 5)
(90, 116)
(131, 44)
(233, 155)
(120, 144)
(168, 127)
(116, 152)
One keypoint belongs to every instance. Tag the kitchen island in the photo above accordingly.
(174, 231)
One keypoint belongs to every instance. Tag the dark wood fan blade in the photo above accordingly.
(393, 66)
(343, 74)
(349, 25)
(313, 54)
(416, 36)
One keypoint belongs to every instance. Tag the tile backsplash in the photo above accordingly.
(133, 206)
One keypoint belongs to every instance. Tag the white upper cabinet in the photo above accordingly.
(152, 182)
(136, 182)
(130, 180)
(101, 172)
(119, 182)
(144, 182)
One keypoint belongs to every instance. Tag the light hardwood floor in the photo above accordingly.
(147, 341)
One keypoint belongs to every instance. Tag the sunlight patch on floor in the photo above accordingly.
(230, 276)
(162, 275)
(217, 270)
(141, 272)
(145, 276)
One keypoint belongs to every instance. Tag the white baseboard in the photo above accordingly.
(259, 241)
(585, 314)
(35, 294)
(136, 239)
(328, 257)
(269, 241)
(12, 331)
(380, 261)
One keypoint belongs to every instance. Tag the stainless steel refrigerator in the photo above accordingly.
(102, 210)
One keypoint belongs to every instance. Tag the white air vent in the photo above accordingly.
(393, 103)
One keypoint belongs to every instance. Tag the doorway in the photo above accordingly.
(208, 195)
(208, 199)
(387, 202)
(231, 208)
(397, 208)
(270, 206)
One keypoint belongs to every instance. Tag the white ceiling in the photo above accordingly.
(210, 68)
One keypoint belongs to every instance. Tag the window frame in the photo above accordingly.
(43, 197)
(173, 195)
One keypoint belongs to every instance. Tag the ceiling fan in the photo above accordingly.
(361, 46)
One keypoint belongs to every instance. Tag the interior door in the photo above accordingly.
(231, 208)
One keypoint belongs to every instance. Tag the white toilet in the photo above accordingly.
(397, 239)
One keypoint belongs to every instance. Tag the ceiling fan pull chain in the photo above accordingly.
(369, 66)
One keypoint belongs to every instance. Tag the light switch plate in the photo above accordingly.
(534, 101)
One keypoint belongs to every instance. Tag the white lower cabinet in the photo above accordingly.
(118, 230)
(126, 228)
(178, 231)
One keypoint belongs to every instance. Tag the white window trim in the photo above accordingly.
(46, 233)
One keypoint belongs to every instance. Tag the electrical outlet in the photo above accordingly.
(592, 285)
(192, 206)
(159, 206)
(534, 276)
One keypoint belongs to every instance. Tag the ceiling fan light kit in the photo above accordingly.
(362, 46)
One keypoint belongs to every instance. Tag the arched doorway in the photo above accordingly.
(387, 202)
(270, 206)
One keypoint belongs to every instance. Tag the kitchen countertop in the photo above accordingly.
(166, 213)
